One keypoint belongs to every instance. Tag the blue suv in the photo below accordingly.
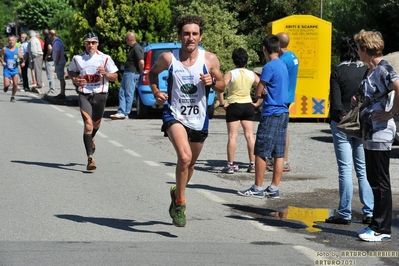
(144, 99)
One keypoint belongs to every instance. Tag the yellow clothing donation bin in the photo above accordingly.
(310, 40)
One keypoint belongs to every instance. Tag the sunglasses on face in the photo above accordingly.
(92, 43)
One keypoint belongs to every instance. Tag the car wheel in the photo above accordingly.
(211, 111)
(142, 110)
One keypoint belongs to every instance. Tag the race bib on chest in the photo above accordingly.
(11, 63)
(91, 75)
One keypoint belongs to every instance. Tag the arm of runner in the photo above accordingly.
(162, 64)
(215, 76)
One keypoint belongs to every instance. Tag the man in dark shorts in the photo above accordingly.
(185, 118)
(92, 71)
(9, 56)
(292, 63)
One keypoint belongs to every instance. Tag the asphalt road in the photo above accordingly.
(54, 212)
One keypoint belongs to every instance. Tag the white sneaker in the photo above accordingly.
(117, 116)
(372, 236)
(252, 192)
(362, 231)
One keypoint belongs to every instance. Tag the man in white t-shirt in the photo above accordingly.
(92, 71)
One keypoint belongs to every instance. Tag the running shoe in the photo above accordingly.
(362, 231)
(117, 116)
(91, 164)
(286, 168)
(372, 236)
(274, 194)
(229, 169)
(252, 192)
(173, 198)
(251, 168)
(179, 215)
(12, 99)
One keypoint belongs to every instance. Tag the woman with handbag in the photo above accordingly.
(344, 83)
(378, 128)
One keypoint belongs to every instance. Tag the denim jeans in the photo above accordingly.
(126, 92)
(350, 150)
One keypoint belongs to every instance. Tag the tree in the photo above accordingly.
(383, 16)
(42, 14)
(111, 20)
(6, 15)
(220, 33)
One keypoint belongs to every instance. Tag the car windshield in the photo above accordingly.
(156, 53)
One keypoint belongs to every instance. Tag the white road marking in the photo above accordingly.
(172, 175)
(115, 143)
(211, 196)
(57, 108)
(70, 115)
(151, 163)
(263, 227)
(308, 252)
(35, 95)
(135, 154)
(101, 135)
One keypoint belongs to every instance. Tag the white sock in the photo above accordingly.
(273, 188)
(258, 188)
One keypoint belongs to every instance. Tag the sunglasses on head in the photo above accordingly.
(91, 42)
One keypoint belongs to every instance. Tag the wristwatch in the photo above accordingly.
(213, 81)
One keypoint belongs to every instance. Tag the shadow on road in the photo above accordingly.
(263, 215)
(54, 165)
(120, 224)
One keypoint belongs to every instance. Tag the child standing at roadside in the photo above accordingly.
(272, 129)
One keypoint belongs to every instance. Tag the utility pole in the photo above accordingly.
(321, 8)
(16, 23)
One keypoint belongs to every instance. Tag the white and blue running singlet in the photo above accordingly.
(187, 94)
